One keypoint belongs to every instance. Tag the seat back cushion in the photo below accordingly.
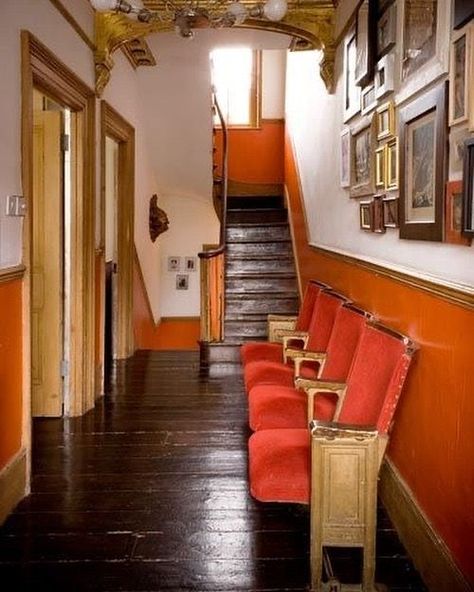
(322, 320)
(306, 309)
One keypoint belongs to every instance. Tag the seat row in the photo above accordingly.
(322, 397)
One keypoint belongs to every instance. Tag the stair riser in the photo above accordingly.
(250, 217)
(259, 249)
(257, 233)
(252, 285)
(236, 266)
(244, 330)
(261, 305)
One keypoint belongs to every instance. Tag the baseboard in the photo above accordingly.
(12, 484)
(428, 552)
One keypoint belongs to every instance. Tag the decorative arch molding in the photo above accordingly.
(311, 25)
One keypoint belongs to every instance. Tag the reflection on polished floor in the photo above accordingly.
(149, 492)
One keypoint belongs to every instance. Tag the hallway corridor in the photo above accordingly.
(149, 492)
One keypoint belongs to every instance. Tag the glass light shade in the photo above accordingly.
(104, 5)
(275, 10)
(238, 11)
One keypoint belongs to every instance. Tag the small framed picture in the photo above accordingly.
(174, 263)
(463, 12)
(385, 121)
(468, 189)
(365, 43)
(386, 30)
(378, 225)
(182, 281)
(390, 212)
(368, 102)
(363, 159)
(366, 215)
(345, 169)
(454, 214)
(391, 168)
(351, 90)
(190, 264)
(380, 166)
(457, 137)
(385, 76)
(461, 77)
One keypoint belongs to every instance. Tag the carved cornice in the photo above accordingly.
(310, 24)
(138, 53)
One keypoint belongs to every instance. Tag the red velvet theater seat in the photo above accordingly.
(282, 406)
(322, 321)
(258, 350)
(279, 465)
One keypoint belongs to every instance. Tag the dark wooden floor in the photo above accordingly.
(149, 492)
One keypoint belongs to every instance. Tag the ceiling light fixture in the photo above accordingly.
(195, 14)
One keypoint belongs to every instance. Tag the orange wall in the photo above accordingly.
(177, 334)
(255, 155)
(432, 443)
(10, 369)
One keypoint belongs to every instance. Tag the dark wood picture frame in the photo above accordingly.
(453, 215)
(463, 12)
(363, 142)
(378, 225)
(386, 30)
(422, 212)
(390, 212)
(468, 189)
(365, 42)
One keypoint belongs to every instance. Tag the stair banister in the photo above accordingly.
(212, 260)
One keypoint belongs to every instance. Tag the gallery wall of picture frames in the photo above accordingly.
(183, 265)
(408, 113)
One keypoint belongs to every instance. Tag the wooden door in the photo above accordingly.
(47, 266)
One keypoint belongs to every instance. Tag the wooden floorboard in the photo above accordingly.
(149, 492)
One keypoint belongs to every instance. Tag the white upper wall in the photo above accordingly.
(314, 120)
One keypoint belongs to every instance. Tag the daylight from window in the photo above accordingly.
(232, 72)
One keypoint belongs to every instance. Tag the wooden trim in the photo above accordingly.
(74, 24)
(13, 480)
(142, 281)
(272, 120)
(9, 274)
(451, 294)
(428, 552)
(172, 319)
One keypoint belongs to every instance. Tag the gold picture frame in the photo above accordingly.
(363, 143)
(391, 166)
(381, 166)
(385, 121)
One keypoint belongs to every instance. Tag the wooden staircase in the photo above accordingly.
(260, 276)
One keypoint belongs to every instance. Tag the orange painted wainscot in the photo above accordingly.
(169, 334)
(11, 368)
(432, 444)
(256, 155)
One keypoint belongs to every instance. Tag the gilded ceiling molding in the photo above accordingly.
(138, 53)
(310, 25)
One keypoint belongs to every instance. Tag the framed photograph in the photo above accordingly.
(454, 198)
(363, 159)
(368, 102)
(384, 78)
(391, 179)
(385, 121)
(365, 32)
(468, 189)
(366, 215)
(390, 212)
(386, 30)
(461, 77)
(424, 32)
(351, 90)
(190, 263)
(377, 215)
(345, 168)
(182, 281)
(463, 12)
(380, 166)
(422, 136)
(174, 263)
(457, 136)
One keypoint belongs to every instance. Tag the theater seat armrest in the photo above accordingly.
(319, 385)
(279, 325)
(332, 429)
(308, 356)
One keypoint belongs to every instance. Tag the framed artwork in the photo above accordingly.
(386, 30)
(424, 32)
(422, 136)
(351, 90)
(385, 121)
(190, 263)
(380, 166)
(457, 136)
(391, 179)
(363, 159)
(368, 102)
(454, 199)
(345, 165)
(182, 281)
(366, 215)
(461, 77)
(174, 263)
(384, 78)
(463, 12)
(390, 212)
(468, 189)
(377, 215)
(365, 42)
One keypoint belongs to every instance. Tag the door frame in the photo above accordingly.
(42, 70)
(114, 126)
